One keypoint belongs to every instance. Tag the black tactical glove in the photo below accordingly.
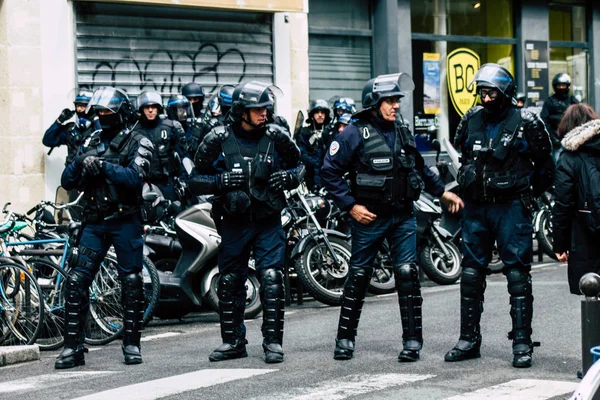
(281, 180)
(91, 166)
(65, 115)
(231, 180)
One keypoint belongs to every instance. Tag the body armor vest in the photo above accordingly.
(387, 176)
(164, 163)
(103, 196)
(493, 170)
(257, 165)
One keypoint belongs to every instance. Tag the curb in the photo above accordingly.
(17, 354)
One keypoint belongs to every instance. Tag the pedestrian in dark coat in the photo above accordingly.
(573, 242)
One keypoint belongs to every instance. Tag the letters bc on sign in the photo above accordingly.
(461, 66)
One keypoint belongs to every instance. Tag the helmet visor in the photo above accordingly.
(258, 94)
(107, 97)
(393, 84)
(492, 75)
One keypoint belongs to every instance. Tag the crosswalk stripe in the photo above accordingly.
(44, 381)
(351, 385)
(159, 336)
(530, 389)
(164, 387)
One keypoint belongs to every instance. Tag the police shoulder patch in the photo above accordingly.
(333, 148)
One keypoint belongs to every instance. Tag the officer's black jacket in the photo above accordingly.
(350, 148)
(552, 113)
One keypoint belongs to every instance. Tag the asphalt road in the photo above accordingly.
(176, 353)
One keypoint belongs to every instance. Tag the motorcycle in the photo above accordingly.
(185, 255)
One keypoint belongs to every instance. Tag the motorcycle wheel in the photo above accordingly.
(437, 269)
(382, 281)
(253, 303)
(544, 236)
(316, 270)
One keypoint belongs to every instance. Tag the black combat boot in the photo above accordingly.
(412, 329)
(232, 304)
(352, 302)
(410, 302)
(272, 296)
(521, 312)
(132, 295)
(470, 337)
(76, 311)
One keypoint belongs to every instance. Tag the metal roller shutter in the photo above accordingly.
(338, 65)
(139, 48)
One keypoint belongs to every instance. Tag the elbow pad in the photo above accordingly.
(143, 157)
(286, 148)
(202, 184)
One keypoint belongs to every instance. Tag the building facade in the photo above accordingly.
(309, 48)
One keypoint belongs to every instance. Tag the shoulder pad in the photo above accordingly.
(527, 115)
(472, 111)
(218, 134)
(168, 122)
(276, 132)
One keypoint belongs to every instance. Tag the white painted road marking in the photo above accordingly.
(164, 387)
(44, 381)
(160, 336)
(530, 389)
(351, 385)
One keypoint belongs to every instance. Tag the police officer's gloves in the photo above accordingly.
(65, 115)
(231, 180)
(91, 166)
(282, 180)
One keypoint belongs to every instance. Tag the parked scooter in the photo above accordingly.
(185, 254)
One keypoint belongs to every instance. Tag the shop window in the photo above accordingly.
(447, 118)
(492, 18)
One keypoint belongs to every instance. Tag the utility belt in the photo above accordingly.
(96, 215)
(492, 187)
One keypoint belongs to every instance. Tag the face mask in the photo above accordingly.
(109, 121)
(197, 108)
(494, 106)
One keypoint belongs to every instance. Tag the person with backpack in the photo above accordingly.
(576, 215)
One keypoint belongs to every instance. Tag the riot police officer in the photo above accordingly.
(180, 109)
(167, 136)
(504, 151)
(332, 130)
(556, 105)
(195, 95)
(310, 142)
(247, 165)
(71, 127)
(387, 174)
(217, 110)
(110, 167)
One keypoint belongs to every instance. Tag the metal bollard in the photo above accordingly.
(589, 285)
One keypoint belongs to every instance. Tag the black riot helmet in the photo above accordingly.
(383, 86)
(149, 98)
(116, 102)
(179, 108)
(319, 105)
(561, 78)
(251, 95)
(195, 94)
(496, 77)
(224, 97)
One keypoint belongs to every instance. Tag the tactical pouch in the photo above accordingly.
(506, 184)
(236, 203)
(414, 186)
(406, 161)
(466, 177)
(260, 181)
(370, 187)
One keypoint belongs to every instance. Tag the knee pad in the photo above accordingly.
(229, 285)
(78, 285)
(472, 284)
(132, 286)
(358, 277)
(407, 279)
(519, 282)
(271, 283)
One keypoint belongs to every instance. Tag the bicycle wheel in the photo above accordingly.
(151, 288)
(105, 322)
(21, 305)
(52, 281)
